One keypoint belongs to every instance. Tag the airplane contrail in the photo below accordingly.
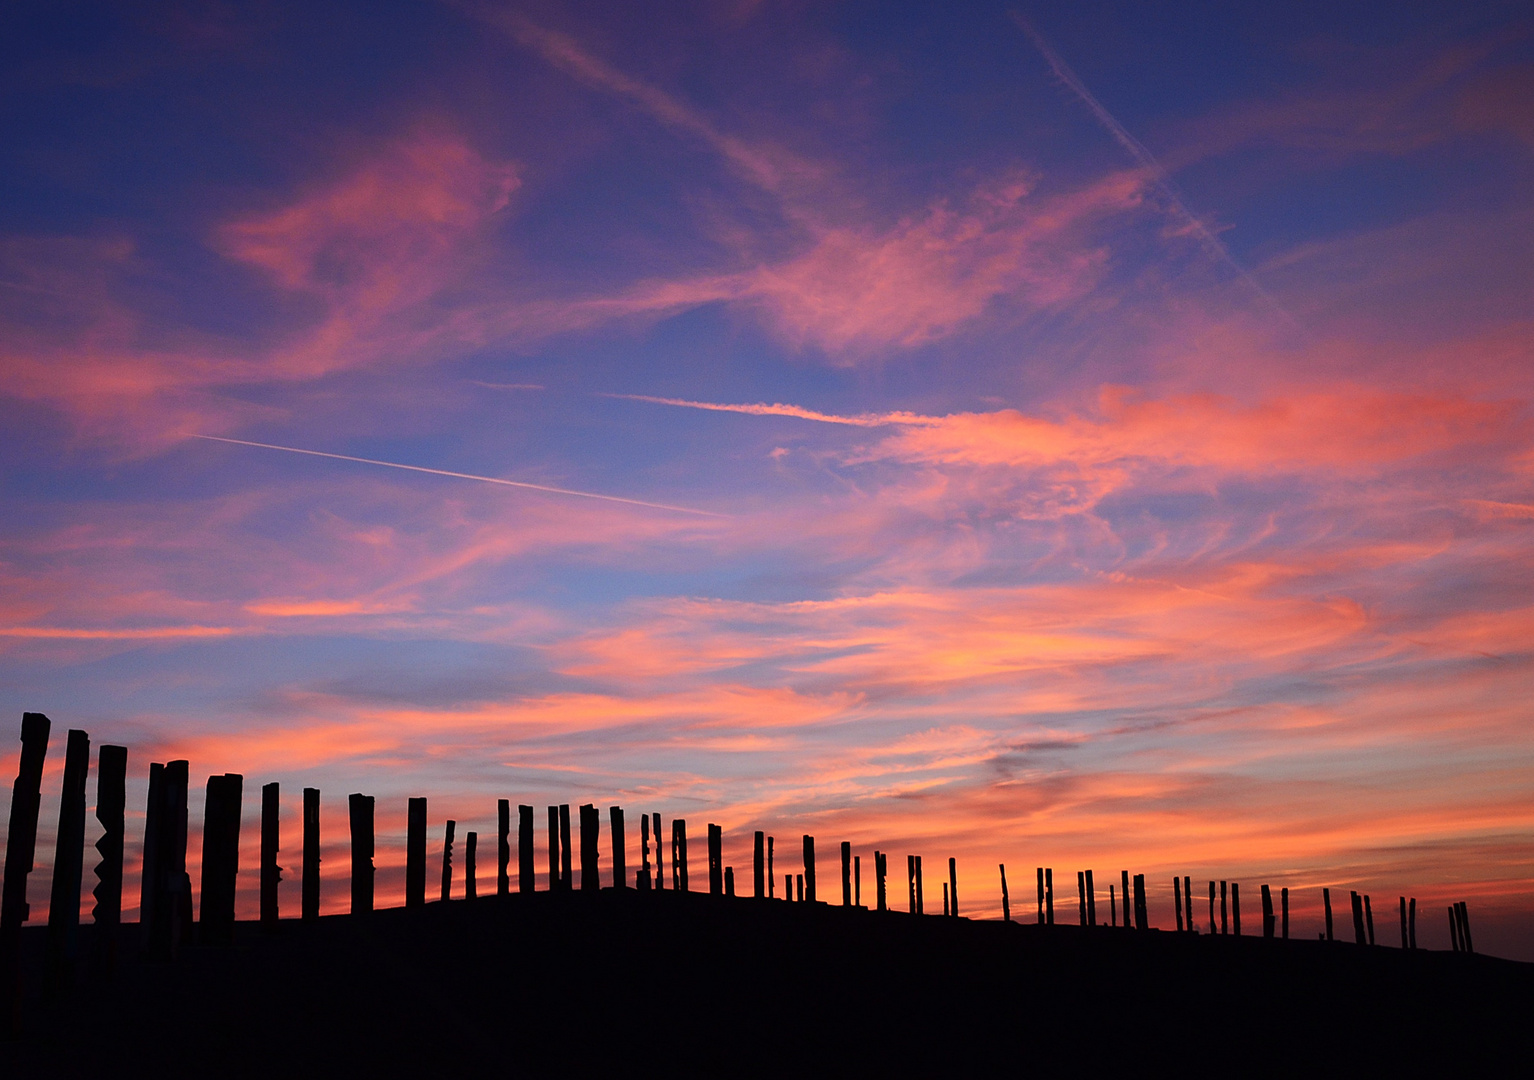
(1146, 160)
(467, 476)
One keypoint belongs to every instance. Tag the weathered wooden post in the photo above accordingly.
(1235, 908)
(953, 884)
(220, 857)
(809, 868)
(149, 869)
(1177, 900)
(553, 849)
(1049, 895)
(679, 854)
(910, 883)
(1454, 928)
(729, 881)
(1269, 923)
(1040, 872)
(310, 887)
(1213, 927)
(1113, 913)
(470, 888)
(1224, 909)
(620, 847)
(415, 854)
(660, 861)
(1081, 898)
(715, 860)
(591, 825)
(857, 881)
(447, 861)
(20, 847)
(1187, 895)
(846, 874)
(1006, 904)
(881, 869)
(173, 905)
(921, 908)
(1403, 924)
(526, 868)
(799, 881)
(503, 847)
(68, 859)
(271, 839)
(772, 877)
(1411, 920)
(759, 864)
(945, 899)
(1464, 925)
(566, 852)
(111, 812)
(360, 812)
(1142, 913)
(1124, 897)
(1326, 902)
(788, 887)
(1283, 896)
(1358, 919)
(642, 878)
(1369, 918)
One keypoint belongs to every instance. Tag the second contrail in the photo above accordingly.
(467, 476)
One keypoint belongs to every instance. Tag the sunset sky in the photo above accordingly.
(1087, 436)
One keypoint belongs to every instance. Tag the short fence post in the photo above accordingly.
(591, 823)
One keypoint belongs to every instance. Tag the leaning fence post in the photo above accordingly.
(1006, 906)
(470, 887)
(1464, 926)
(21, 845)
(1358, 919)
(310, 887)
(1369, 918)
(360, 812)
(415, 854)
(69, 856)
(271, 837)
(809, 868)
(111, 807)
(1454, 927)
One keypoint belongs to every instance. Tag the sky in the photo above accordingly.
(1075, 436)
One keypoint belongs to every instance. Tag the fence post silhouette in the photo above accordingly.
(1369, 918)
(1124, 897)
(1081, 898)
(1224, 908)
(953, 884)
(1040, 871)
(1235, 908)
(945, 900)
(772, 879)
(788, 887)
(715, 860)
(20, 847)
(502, 847)
(809, 868)
(1454, 928)
(1091, 901)
(880, 869)
(591, 824)
(846, 874)
(642, 878)
(1177, 900)
(679, 854)
(1213, 927)
(1464, 925)
(149, 867)
(111, 813)
(759, 864)
(1142, 914)
(69, 857)
(620, 847)
(173, 888)
(910, 883)
(1268, 921)
(660, 860)
(526, 870)
(1006, 905)
(271, 840)
(553, 849)
(415, 853)
(447, 860)
(566, 852)
(310, 887)
(470, 887)
(1049, 895)
(220, 856)
(857, 881)
(1113, 911)
(1358, 919)
(1411, 921)
(1187, 895)
(729, 881)
(1326, 900)
(1283, 896)
(360, 812)
(799, 881)
(1403, 924)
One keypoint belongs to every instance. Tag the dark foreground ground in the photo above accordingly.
(647, 984)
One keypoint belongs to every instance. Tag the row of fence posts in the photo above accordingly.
(165, 901)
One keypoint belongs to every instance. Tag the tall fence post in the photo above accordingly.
(415, 853)
(1006, 905)
(679, 854)
(447, 860)
(1142, 914)
(660, 868)
(111, 812)
(1049, 895)
(69, 857)
(470, 886)
(857, 881)
(1268, 920)
(881, 867)
(172, 887)
(20, 847)
(271, 841)
(566, 852)
(502, 847)
(1177, 900)
(846, 874)
(759, 865)
(360, 812)
(910, 883)
(715, 860)
(526, 869)
(1040, 872)
(772, 877)
(1411, 920)
(1358, 919)
(1369, 918)
(149, 866)
(1081, 898)
(1235, 908)
(642, 879)
(591, 823)
(1124, 897)
(1283, 899)
(553, 849)
(619, 846)
(310, 887)
(809, 868)
(953, 885)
